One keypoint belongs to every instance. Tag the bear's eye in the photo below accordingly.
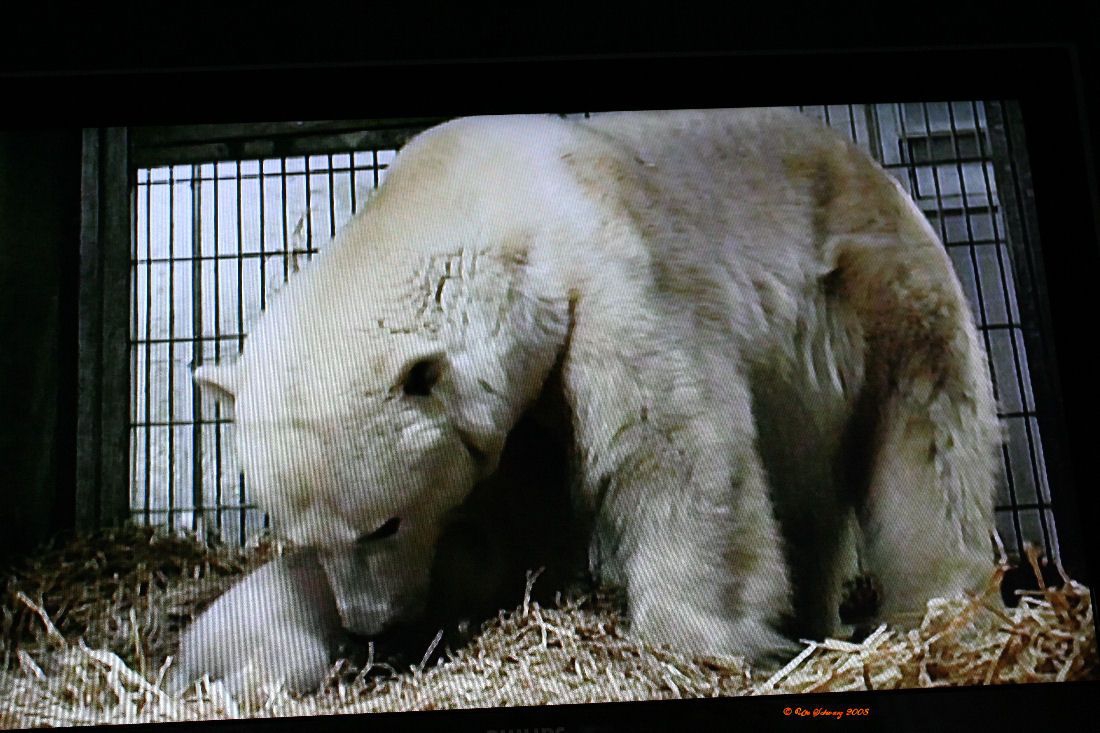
(388, 529)
(421, 377)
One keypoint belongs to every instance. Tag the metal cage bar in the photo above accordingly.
(240, 220)
(1020, 226)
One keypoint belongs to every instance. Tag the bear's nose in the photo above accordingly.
(388, 529)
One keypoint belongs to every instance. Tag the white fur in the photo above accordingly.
(742, 305)
(281, 618)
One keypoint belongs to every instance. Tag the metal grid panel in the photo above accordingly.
(212, 241)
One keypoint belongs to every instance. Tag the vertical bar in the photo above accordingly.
(1012, 492)
(103, 490)
(994, 207)
(148, 489)
(309, 210)
(351, 181)
(244, 509)
(240, 325)
(331, 199)
(89, 334)
(870, 112)
(904, 152)
(115, 492)
(197, 513)
(1009, 477)
(171, 348)
(240, 265)
(286, 224)
(217, 346)
(134, 338)
(263, 241)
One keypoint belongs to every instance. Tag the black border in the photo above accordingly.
(1046, 79)
(1002, 708)
(455, 87)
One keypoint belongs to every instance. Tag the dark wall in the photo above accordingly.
(39, 263)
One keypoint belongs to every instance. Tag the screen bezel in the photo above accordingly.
(1042, 79)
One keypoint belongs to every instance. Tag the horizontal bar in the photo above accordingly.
(187, 339)
(231, 336)
(938, 163)
(160, 149)
(300, 252)
(154, 136)
(976, 243)
(226, 257)
(194, 510)
(180, 423)
(233, 177)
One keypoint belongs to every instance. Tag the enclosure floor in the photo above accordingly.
(88, 630)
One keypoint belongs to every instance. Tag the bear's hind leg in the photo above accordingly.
(926, 508)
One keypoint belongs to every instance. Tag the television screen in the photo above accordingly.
(546, 406)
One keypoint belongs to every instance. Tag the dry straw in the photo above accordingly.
(87, 633)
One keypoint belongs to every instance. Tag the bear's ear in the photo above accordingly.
(219, 380)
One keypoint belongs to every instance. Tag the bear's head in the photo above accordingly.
(382, 383)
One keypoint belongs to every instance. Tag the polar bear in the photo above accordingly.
(749, 335)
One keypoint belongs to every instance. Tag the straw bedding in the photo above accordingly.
(88, 629)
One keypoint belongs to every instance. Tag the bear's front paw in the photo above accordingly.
(707, 633)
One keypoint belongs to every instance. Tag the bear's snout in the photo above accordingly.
(378, 583)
